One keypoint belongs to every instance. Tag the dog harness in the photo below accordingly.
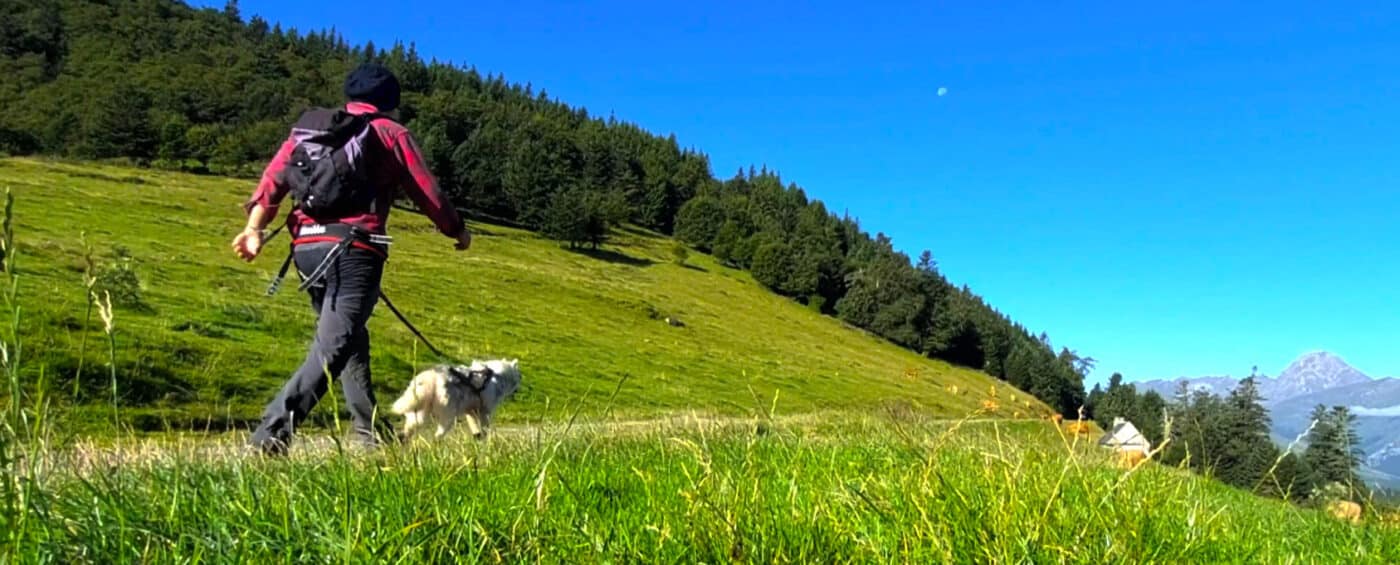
(456, 375)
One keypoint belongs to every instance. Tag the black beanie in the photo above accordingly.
(374, 84)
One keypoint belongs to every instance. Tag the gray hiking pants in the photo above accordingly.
(343, 301)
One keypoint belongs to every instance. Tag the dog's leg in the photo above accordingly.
(485, 424)
(474, 424)
(444, 426)
(411, 422)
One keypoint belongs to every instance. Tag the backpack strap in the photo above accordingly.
(378, 116)
(331, 127)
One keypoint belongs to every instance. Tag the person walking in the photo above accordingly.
(341, 167)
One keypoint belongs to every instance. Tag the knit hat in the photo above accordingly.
(374, 84)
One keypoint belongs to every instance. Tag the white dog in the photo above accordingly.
(446, 393)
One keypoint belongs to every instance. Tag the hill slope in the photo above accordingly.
(201, 89)
(207, 348)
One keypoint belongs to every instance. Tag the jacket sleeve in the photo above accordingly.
(422, 188)
(272, 188)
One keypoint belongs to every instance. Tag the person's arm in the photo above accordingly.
(422, 188)
(264, 204)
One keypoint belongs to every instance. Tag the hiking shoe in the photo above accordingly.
(271, 447)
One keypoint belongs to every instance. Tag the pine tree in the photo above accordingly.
(603, 211)
(1117, 402)
(1019, 366)
(1198, 434)
(816, 263)
(31, 46)
(885, 298)
(698, 223)
(118, 123)
(1121, 400)
(727, 242)
(1150, 408)
(1333, 456)
(1344, 421)
(954, 335)
(1094, 402)
(772, 264)
(567, 218)
(997, 342)
(744, 249)
(1247, 451)
(1289, 480)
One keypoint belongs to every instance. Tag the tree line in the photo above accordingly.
(1228, 439)
(162, 84)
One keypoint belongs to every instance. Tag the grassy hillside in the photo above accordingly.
(205, 347)
(759, 432)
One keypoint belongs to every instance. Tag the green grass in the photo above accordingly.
(834, 488)
(208, 348)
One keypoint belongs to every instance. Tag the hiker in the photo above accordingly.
(341, 168)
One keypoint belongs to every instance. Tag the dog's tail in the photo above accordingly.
(412, 399)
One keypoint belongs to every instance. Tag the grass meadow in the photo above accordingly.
(759, 432)
(204, 347)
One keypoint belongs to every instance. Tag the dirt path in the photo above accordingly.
(87, 457)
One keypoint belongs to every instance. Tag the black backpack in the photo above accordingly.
(328, 171)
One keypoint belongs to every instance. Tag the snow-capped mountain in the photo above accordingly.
(1313, 379)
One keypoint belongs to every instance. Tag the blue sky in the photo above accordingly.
(1173, 190)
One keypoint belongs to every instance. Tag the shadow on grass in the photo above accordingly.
(612, 256)
(637, 231)
(695, 268)
(127, 179)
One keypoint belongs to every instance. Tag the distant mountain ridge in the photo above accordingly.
(1320, 378)
(1311, 373)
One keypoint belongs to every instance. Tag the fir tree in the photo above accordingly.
(1148, 416)
(1247, 451)
(567, 219)
(698, 223)
(1094, 402)
(772, 264)
(727, 242)
(1333, 456)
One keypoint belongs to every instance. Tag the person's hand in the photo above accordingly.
(248, 244)
(464, 240)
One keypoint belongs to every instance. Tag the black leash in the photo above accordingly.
(274, 233)
(385, 298)
(286, 264)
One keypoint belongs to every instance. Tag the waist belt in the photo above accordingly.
(355, 235)
(345, 236)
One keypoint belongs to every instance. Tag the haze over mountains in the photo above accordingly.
(1321, 378)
